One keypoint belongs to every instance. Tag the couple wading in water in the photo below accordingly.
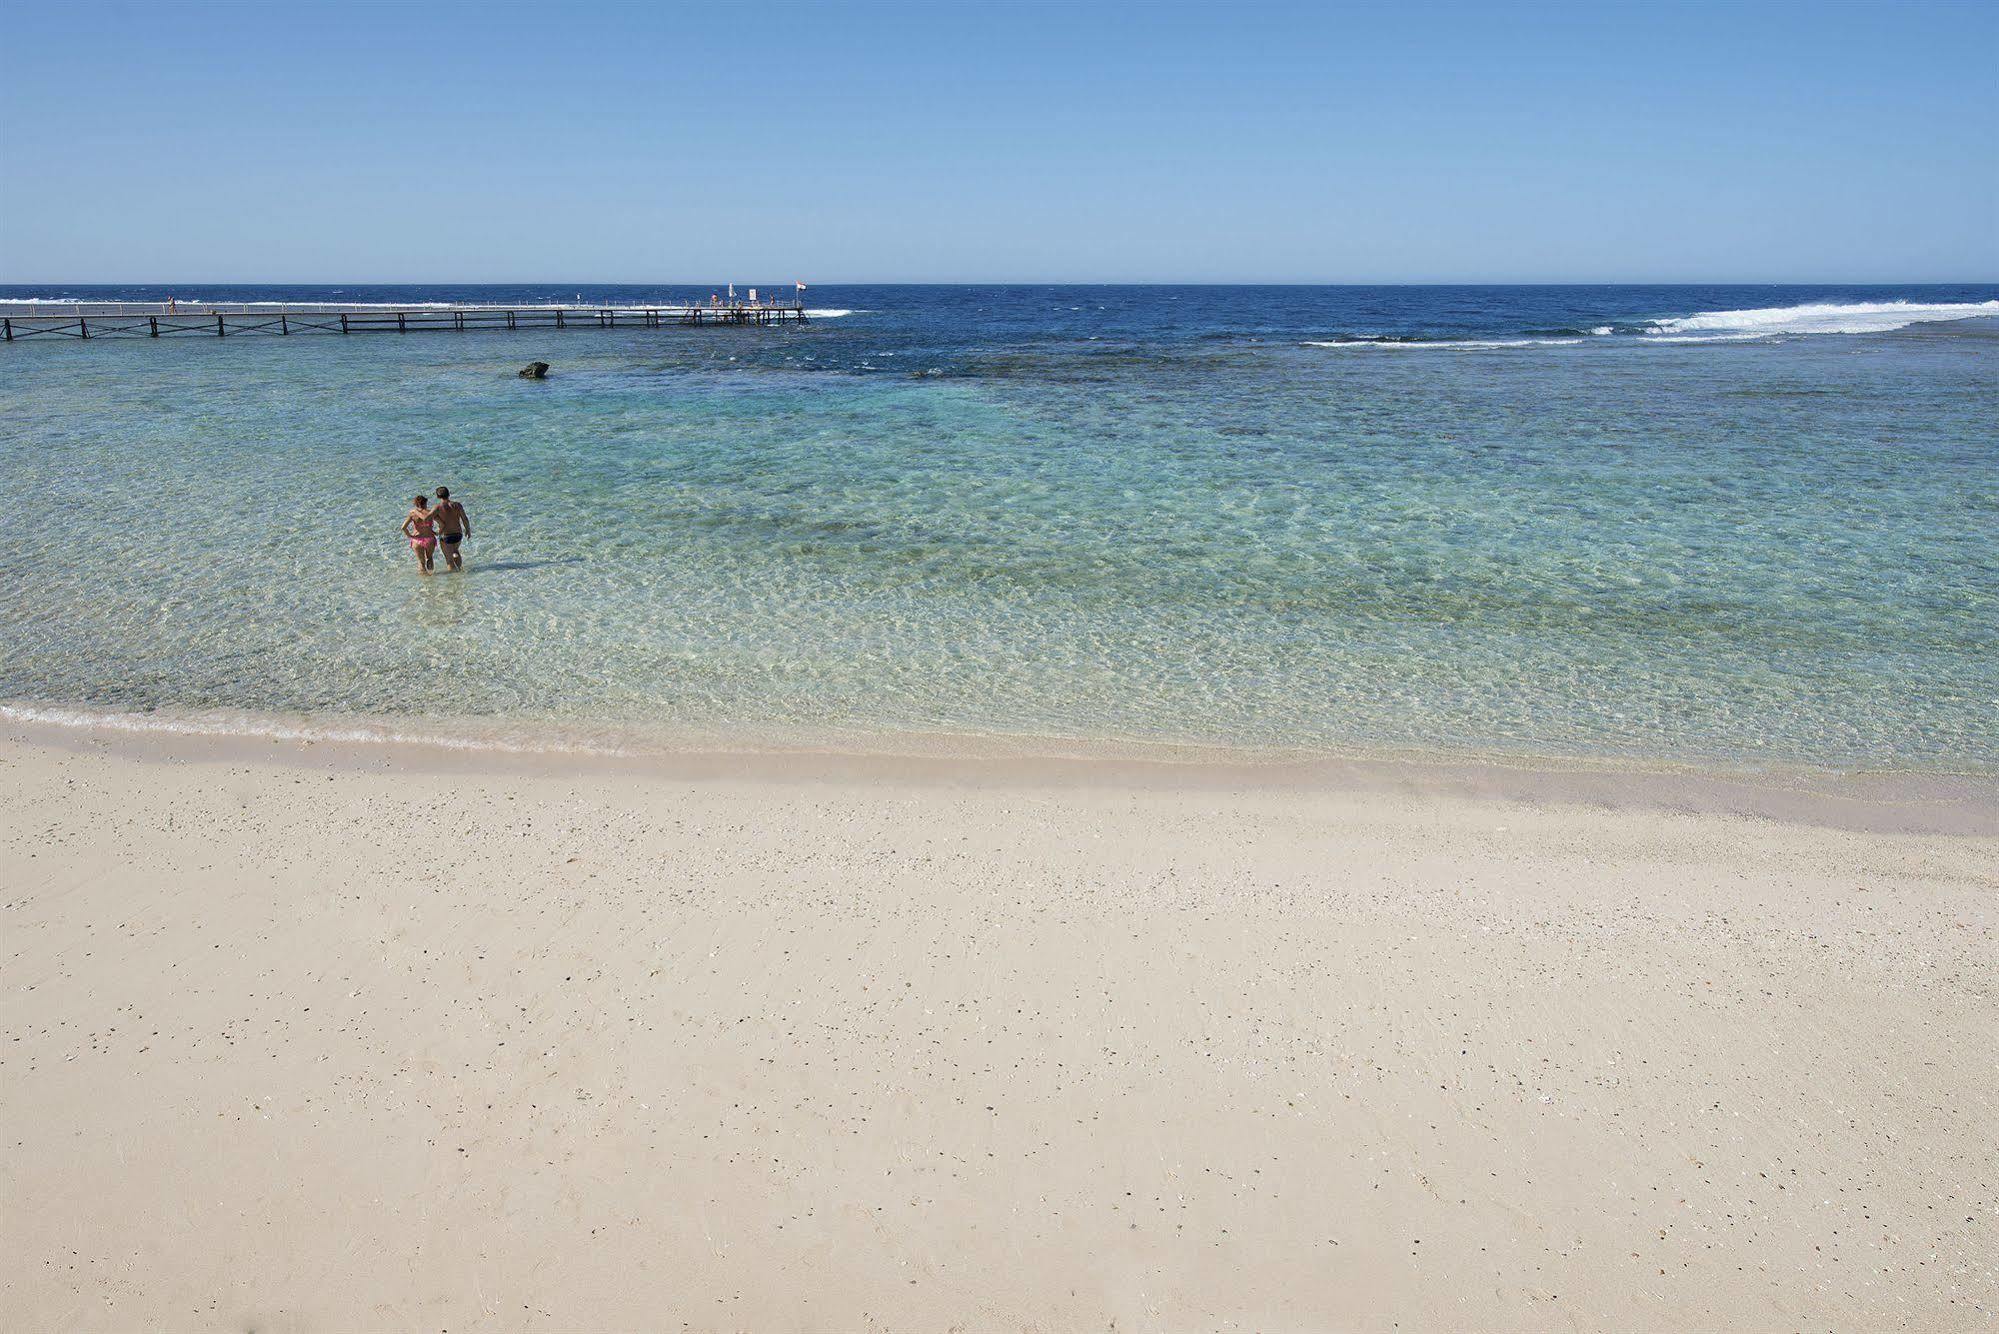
(426, 525)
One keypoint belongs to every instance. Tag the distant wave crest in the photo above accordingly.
(1441, 344)
(1856, 318)
(1708, 326)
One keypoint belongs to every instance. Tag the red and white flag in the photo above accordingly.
(801, 287)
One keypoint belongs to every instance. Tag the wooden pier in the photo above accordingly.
(127, 320)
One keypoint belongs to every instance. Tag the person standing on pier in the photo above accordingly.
(454, 525)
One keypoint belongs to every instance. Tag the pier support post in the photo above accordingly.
(401, 327)
(283, 327)
(343, 324)
(9, 326)
(82, 327)
(154, 321)
(558, 319)
(220, 331)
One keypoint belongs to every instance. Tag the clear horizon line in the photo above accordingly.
(1010, 282)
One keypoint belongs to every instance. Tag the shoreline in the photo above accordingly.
(308, 1037)
(1881, 801)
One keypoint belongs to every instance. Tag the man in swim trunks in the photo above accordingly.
(454, 525)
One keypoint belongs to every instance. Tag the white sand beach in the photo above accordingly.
(320, 1038)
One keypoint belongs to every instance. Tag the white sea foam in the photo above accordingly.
(268, 728)
(1448, 344)
(1705, 338)
(1856, 318)
(1724, 326)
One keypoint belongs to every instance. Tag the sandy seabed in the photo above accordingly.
(320, 1038)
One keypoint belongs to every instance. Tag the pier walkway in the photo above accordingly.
(19, 320)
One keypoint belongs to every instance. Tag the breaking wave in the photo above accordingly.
(1708, 326)
(1441, 344)
(1856, 318)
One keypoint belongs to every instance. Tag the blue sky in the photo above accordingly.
(995, 142)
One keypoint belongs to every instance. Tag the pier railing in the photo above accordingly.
(158, 320)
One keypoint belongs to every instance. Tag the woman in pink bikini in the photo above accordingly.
(420, 527)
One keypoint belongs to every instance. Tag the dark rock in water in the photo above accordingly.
(535, 370)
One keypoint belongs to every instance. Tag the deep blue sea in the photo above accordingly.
(1704, 525)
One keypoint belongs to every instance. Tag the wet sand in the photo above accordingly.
(326, 1037)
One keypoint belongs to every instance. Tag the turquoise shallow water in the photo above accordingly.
(1168, 521)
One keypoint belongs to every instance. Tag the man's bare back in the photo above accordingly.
(454, 525)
